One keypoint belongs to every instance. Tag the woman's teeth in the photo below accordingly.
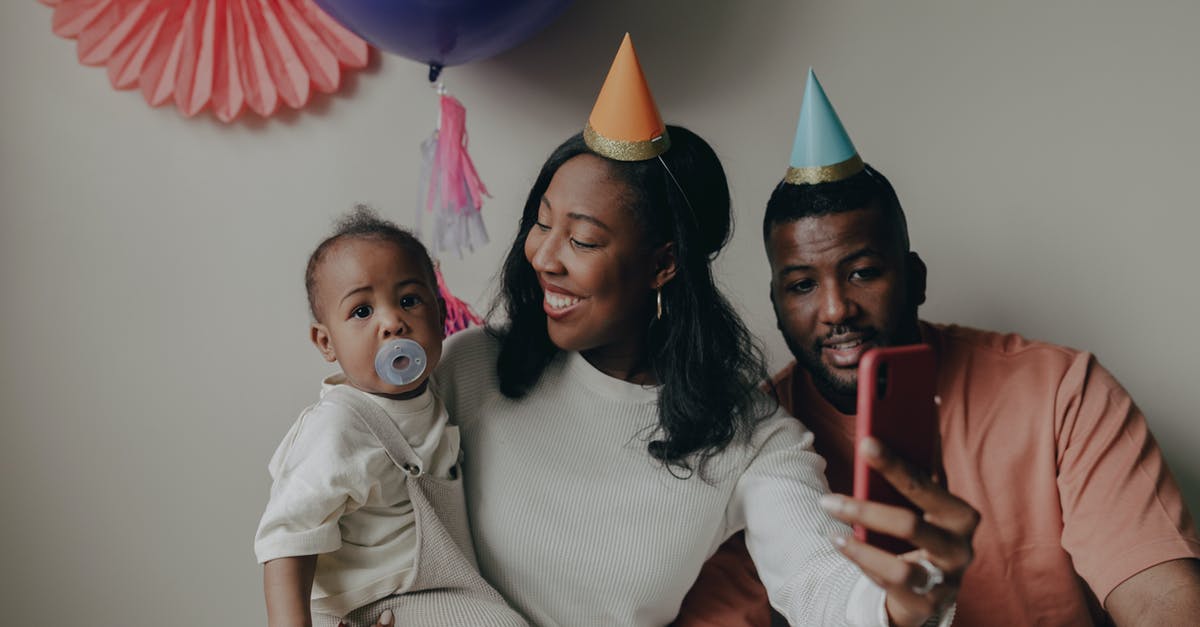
(559, 301)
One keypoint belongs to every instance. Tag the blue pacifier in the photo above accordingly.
(400, 362)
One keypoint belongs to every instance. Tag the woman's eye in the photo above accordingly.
(362, 311)
(583, 244)
(409, 301)
(540, 226)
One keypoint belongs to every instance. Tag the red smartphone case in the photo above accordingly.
(896, 388)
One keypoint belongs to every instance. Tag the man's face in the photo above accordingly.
(841, 285)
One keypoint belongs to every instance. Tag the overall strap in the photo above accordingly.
(380, 425)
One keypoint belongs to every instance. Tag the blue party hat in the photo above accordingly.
(822, 152)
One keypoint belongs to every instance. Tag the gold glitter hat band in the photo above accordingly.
(826, 173)
(620, 150)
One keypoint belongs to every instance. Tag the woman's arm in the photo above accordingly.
(942, 536)
(287, 586)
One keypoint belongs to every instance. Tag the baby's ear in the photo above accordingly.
(320, 338)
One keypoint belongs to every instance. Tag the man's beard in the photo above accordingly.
(840, 392)
(824, 377)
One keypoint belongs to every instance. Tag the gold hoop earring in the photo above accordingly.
(658, 309)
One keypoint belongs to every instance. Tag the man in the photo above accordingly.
(1081, 520)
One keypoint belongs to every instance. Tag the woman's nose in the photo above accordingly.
(545, 252)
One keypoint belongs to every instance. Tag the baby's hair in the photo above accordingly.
(363, 222)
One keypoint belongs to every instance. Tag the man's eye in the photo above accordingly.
(802, 287)
(866, 273)
(362, 311)
(410, 301)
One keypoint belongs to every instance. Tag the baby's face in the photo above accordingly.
(370, 292)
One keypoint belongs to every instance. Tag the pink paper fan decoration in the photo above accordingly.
(227, 53)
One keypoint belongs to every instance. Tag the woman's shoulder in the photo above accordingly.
(467, 369)
(468, 352)
(471, 342)
(774, 431)
(777, 429)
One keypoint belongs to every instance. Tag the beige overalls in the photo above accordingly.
(446, 589)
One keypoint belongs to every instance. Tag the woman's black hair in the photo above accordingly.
(707, 362)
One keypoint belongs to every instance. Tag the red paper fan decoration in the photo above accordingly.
(227, 53)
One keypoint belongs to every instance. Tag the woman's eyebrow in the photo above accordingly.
(589, 219)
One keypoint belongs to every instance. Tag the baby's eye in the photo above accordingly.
(409, 301)
(360, 312)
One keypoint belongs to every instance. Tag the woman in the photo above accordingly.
(613, 429)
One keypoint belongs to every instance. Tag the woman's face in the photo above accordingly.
(597, 272)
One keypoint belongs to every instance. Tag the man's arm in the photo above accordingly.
(1162, 595)
(1125, 522)
(287, 586)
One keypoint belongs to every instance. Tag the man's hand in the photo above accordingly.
(942, 536)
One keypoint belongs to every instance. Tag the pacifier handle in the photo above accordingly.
(404, 350)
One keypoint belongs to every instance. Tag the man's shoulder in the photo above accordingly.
(993, 364)
(781, 384)
(784, 375)
(954, 342)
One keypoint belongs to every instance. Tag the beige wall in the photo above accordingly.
(153, 324)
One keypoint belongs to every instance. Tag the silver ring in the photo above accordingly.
(933, 576)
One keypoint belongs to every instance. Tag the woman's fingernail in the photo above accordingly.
(832, 503)
(870, 447)
(385, 618)
(838, 541)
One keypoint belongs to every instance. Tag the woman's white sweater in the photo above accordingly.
(575, 524)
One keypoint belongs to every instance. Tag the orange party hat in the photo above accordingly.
(625, 124)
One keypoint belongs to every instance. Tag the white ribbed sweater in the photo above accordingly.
(575, 524)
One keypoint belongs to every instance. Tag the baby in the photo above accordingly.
(366, 516)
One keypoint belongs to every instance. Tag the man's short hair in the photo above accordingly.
(867, 189)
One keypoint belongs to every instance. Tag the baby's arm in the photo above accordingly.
(318, 477)
(287, 585)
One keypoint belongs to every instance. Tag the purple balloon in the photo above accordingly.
(444, 32)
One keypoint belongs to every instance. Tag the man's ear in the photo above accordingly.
(916, 279)
(320, 338)
(664, 265)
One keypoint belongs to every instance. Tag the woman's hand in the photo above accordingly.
(385, 620)
(942, 537)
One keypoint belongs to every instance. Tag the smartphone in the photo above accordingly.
(896, 389)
